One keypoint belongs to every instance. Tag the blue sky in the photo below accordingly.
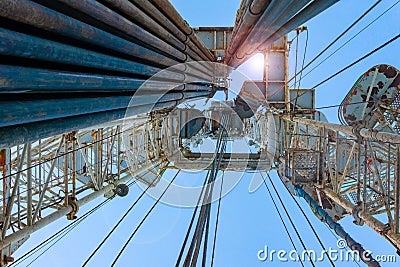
(248, 222)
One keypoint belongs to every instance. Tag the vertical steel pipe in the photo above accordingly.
(168, 9)
(244, 25)
(34, 48)
(278, 19)
(99, 12)
(312, 10)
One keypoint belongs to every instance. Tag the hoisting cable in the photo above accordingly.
(202, 225)
(348, 41)
(60, 234)
(296, 57)
(209, 205)
(119, 222)
(353, 245)
(295, 64)
(290, 219)
(220, 156)
(353, 63)
(304, 58)
(339, 37)
(199, 229)
(302, 66)
(336, 39)
(191, 222)
(358, 60)
(311, 226)
(217, 220)
(281, 218)
(143, 220)
(192, 255)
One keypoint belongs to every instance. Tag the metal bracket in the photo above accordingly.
(386, 229)
(356, 214)
(75, 208)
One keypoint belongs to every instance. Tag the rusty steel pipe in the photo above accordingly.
(169, 11)
(28, 110)
(160, 18)
(91, 8)
(165, 21)
(115, 24)
(278, 19)
(16, 78)
(136, 15)
(257, 7)
(264, 33)
(310, 11)
(145, 21)
(34, 48)
(31, 13)
(244, 26)
(262, 26)
(52, 48)
(21, 134)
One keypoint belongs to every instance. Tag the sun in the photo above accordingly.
(257, 62)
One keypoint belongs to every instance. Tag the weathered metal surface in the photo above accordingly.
(168, 9)
(14, 79)
(304, 166)
(26, 79)
(350, 131)
(371, 221)
(21, 112)
(313, 9)
(267, 24)
(278, 19)
(373, 100)
(216, 39)
(76, 147)
(303, 98)
(273, 88)
(46, 19)
(139, 17)
(158, 16)
(245, 21)
(30, 47)
(229, 162)
(116, 24)
(358, 169)
(20, 134)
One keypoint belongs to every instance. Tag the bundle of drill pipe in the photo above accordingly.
(261, 22)
(72, 64)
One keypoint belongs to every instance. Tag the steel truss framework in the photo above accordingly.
(50, 178)
(359, 173)
(45, 180)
